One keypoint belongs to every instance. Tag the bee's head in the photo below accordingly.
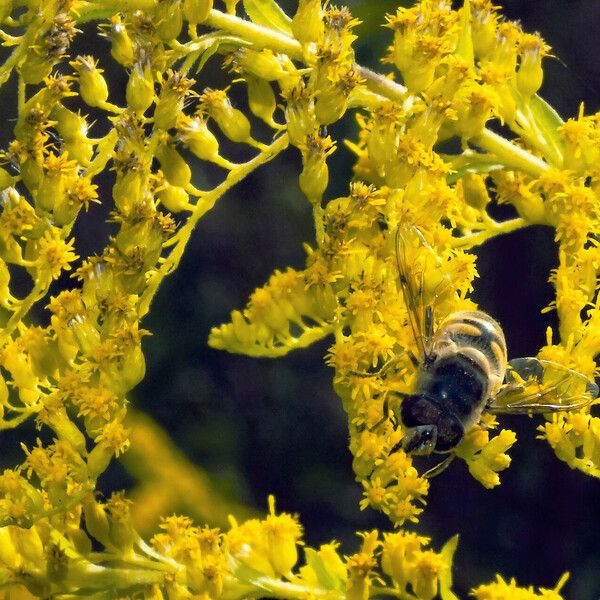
(430, 426)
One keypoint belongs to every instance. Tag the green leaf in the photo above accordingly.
(447, 553)
(269, 14)
(247, 574)
(548, 122)
(327, 579)
(224, 44)
(471, 162)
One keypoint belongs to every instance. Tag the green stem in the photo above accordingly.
(39, 291)
(510, 154)
(476, 239)
(257, 34)
(285, 589)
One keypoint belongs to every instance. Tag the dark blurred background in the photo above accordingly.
(261, 426)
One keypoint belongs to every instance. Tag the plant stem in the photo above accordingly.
(257, 34)
(509, 154)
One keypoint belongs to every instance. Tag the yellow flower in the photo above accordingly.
(503, 590)
(54, 255)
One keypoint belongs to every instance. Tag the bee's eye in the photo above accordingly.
(450, 433)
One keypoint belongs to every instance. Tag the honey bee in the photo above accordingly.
(463, 368)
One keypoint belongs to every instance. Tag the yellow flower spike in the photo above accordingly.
(263, 64)
(530, 74)
(175, 169)
(140, 88)
(261, 100)
(121, 532)
(121, 44)
(197, 137)
(92, 85)
(360, 569)
(248, 544)
(314, 177)
(299, 114)
(283, 533)
(231, 121)
(426, 570)
(508, 590)
(174, 91)
(175, 199)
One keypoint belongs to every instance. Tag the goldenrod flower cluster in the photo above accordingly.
(461, 69)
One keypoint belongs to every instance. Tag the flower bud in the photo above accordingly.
(51, 190)
(121, 44)
(36, 67)
(530, 74)
(169, 107)
(231, 121)
(174, 198)
(475, 191)
(28, 544)
(300, 116)
(175, 169)
(92, 85)
(98, 460)
(70, 125)
(307, 23)
(314, 177)
(262, 64)
(140, 89)
(196, 11)
(133, 368)
(169, 20)
(261, 99)
(96, 520)
(197, 137)
(31, 173)
(330, 105)
(127, 190)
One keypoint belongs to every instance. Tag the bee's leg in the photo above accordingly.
(387, 365)
(440, 467)
(386, 410)
(428, 325)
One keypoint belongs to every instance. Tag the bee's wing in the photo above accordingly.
(533, 385)
(416, 258)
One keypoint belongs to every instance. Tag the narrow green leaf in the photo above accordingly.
(221, 45)
(470, 163)
(548, 122)
(269, 14)
(247, 574)
(327, 579)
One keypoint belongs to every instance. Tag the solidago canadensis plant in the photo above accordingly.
(455, 74)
